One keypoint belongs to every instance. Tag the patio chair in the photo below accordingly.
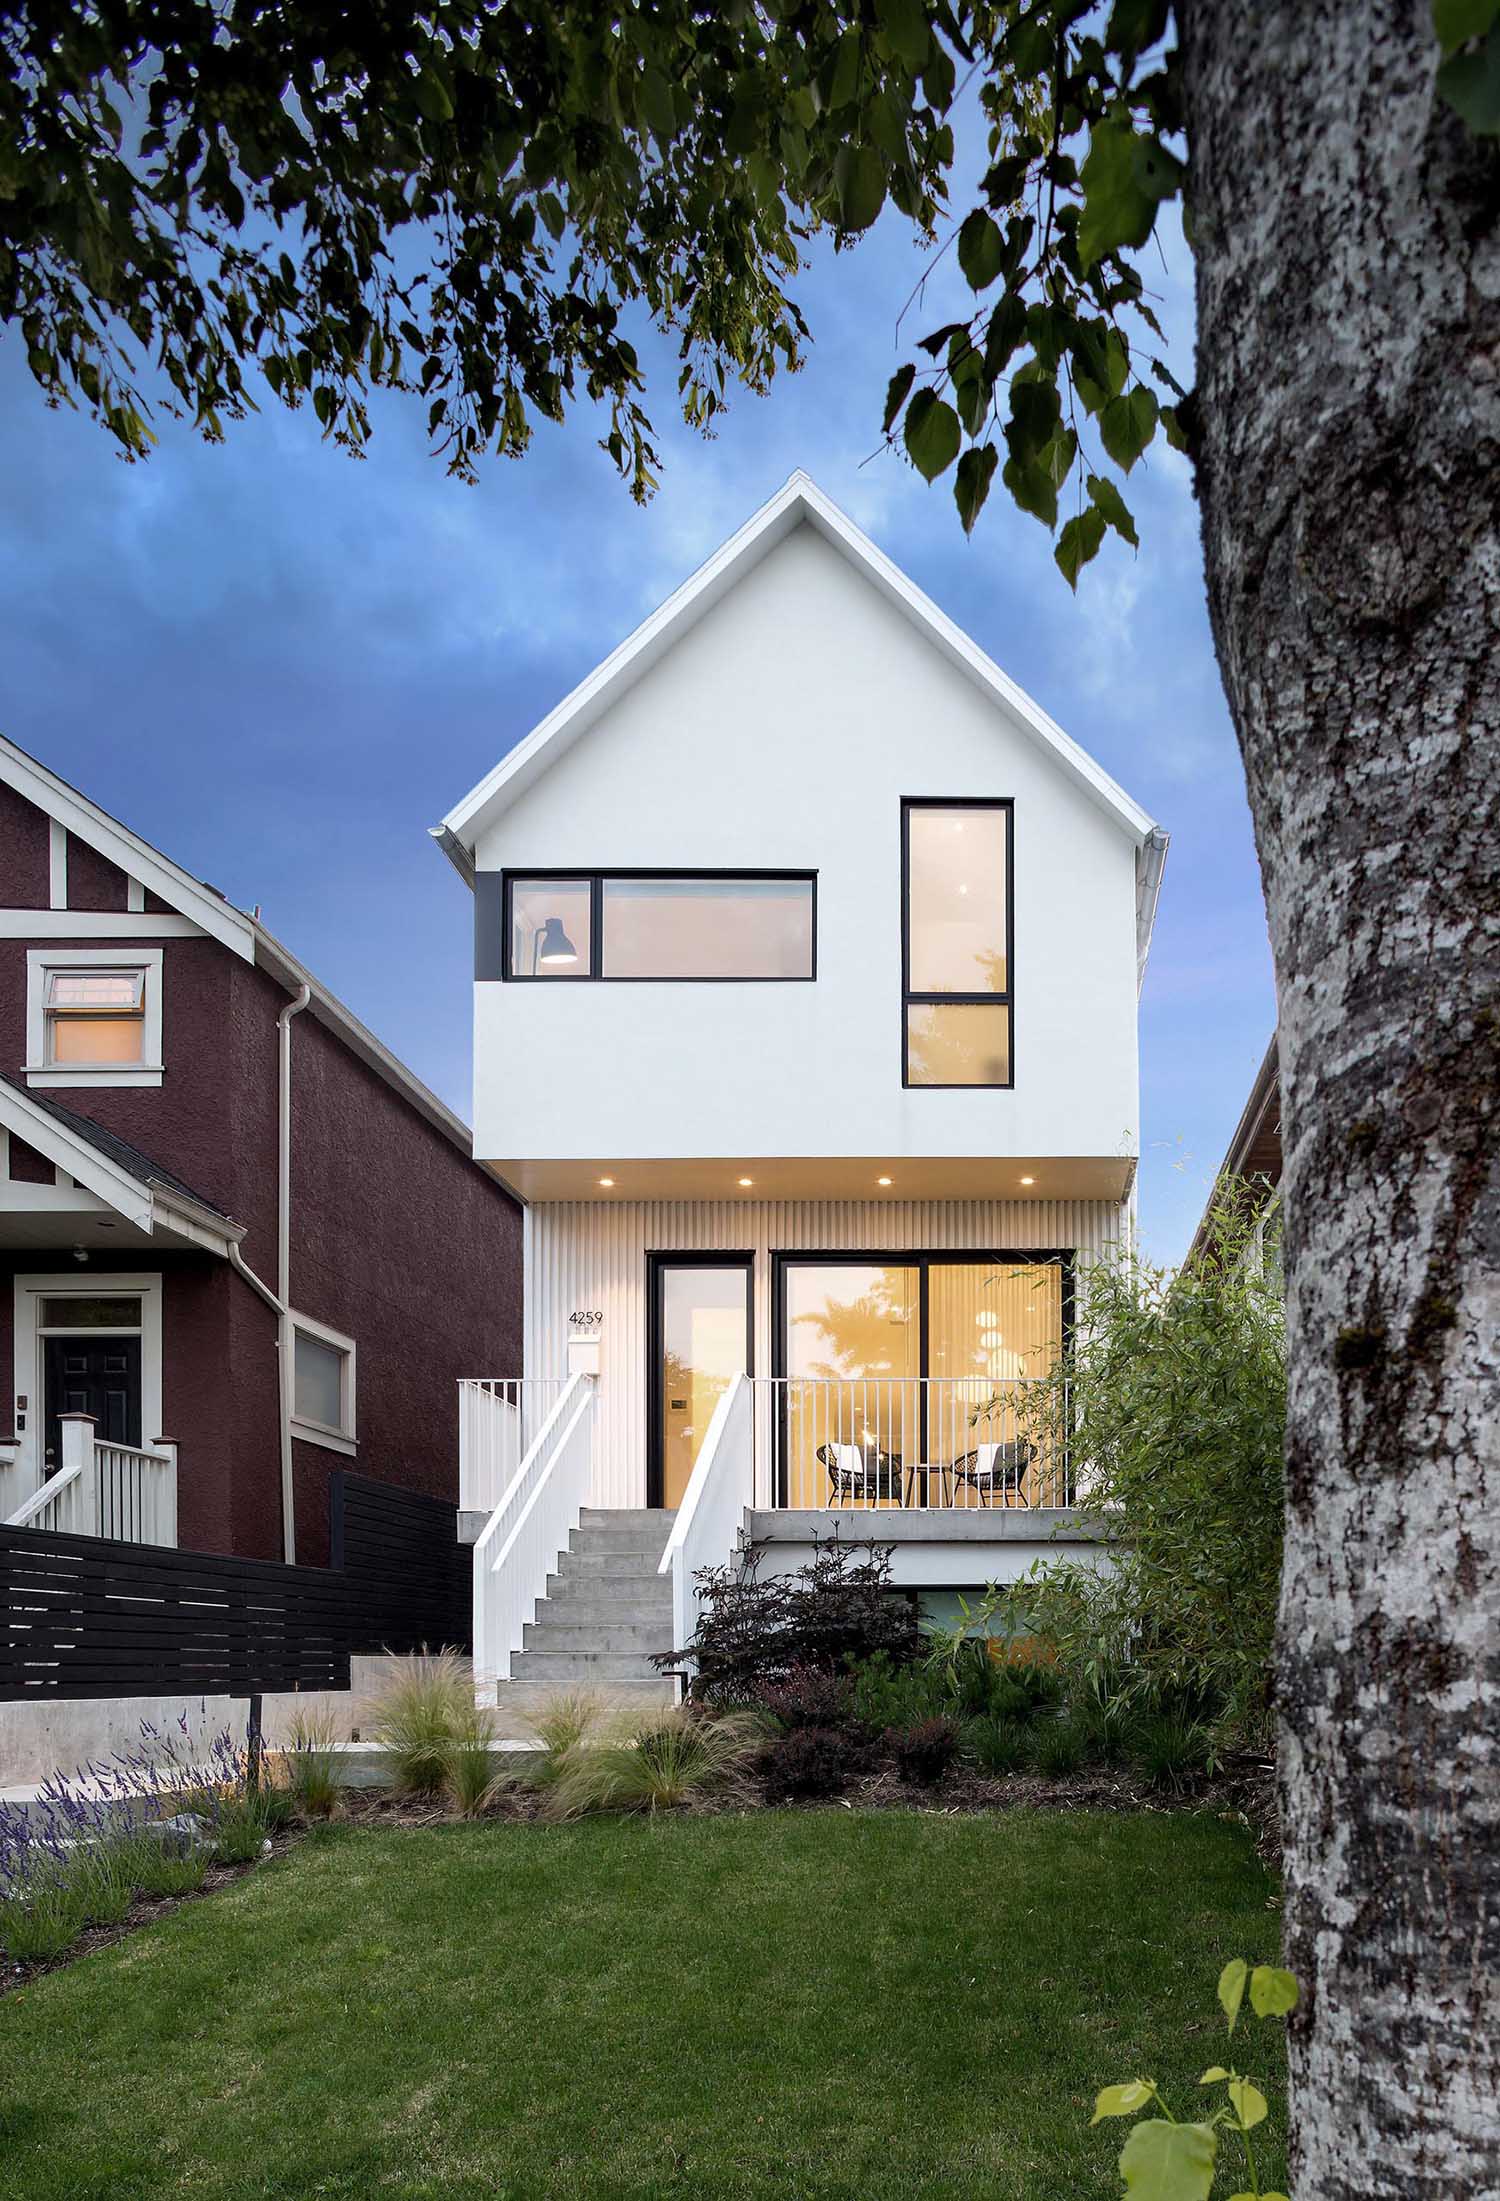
(861, 1473)
(992, 1467)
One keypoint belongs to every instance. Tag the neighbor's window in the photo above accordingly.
(95, 1018)
(322, 1384)
(663, 925)
(956, 943)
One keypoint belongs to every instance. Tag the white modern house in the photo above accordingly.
(806, 960)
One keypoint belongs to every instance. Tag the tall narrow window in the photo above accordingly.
(956, 943)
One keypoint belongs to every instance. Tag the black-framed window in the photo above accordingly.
(957, 942)
(633, 925)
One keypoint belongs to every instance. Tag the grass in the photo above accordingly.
(812, 2006)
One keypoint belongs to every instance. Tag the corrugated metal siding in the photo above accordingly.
(592, 1254)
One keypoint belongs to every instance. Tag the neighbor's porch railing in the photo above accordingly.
(528, 1528)
(498, 1422)
(103, 1489)
(883, 1444)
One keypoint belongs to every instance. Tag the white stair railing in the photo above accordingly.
(528, 1530)
(498, 1416)
(711, 1517)
(103, 1489)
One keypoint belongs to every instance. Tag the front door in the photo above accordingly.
(92, 1375)
(700, 1341)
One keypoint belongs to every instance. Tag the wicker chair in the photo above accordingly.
(996, 1467)
(864, 1473)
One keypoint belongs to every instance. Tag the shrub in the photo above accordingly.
(1058, 1747)
(42, 1915)
(161, 1866)
(417, 1713)
(887, 1695)
(1105, 1728)
(1178, 1395)
(923, 1753)
(751, 1632)
(1000, 1745)
(105, 1881)
(307, 1769)
(564, 1722)
(808, 1697)
(668, 1758)
(810, 1761)
(1170, 1750)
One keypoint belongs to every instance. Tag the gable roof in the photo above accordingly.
(111, 1168)
(236, 929)
(799, 502)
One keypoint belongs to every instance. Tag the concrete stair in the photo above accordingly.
(605, 1612)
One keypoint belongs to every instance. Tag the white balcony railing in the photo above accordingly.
(882, 1444)
(102, 1489)
(498, 1422)
(529, 1526)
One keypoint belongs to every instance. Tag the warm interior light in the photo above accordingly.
(882, 1180)
(607, 1182)
(1028, 1180)
(747, 1180)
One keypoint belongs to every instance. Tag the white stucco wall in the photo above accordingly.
(782, 731)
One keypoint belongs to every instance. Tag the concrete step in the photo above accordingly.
(564, 1669)
(516, 1704)
(622, 1555)
(628, 1517)
(648, 1590)
(642, 1636)
(585, 1611)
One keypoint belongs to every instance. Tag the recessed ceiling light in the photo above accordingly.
(747, 1180)
(607, 1182)
(882, 1180)
(1028, 1180)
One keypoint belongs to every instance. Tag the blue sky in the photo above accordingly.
(282, 666)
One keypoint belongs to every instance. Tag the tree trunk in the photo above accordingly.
(1347, 233)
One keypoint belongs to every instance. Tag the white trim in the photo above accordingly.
(150, 1207)
(346, 1438)
(96, 924)
(41, 1072)
(126, 850)
(800, 500)
(57, 864)
(29, 1373)
(135, 895)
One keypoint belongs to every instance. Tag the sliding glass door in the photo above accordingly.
(897, 1369)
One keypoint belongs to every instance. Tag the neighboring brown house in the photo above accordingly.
(211, 1171)
(1254, 1155)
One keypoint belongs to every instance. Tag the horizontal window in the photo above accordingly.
(662, 925)
(956, 943)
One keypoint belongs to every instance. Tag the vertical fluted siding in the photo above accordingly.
(592, 1254)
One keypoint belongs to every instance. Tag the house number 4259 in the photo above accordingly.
(584, 1319)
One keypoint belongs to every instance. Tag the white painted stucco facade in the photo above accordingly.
(774, 716)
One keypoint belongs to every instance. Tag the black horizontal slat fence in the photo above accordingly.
(410, 1579)
(84, 1616)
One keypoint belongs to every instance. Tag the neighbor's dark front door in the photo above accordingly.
(93, 1375)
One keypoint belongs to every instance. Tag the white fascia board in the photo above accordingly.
(84, 1163)
(799, 500)
(135, 857)
(186, 1218)
(1150, 862)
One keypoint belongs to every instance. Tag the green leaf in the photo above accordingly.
(1116, 511)
(1250, 2105)
(933, 435)
(1033, 489)
(976, 470)
(905, 25)
(895, 395)
(1272, 1992)
(656, 104)
(1164, 2162)
(1214, 2071)
(1078, 543)
(1174, 429)
(432, 97)
(845, 87)
(1124, 179)
(1127, 425)
(981, 249)
(1122, 2101)
(859, 178)
(1457, 21)
(1232, 1988)
(1470, 83)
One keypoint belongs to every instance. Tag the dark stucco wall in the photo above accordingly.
(25, 860)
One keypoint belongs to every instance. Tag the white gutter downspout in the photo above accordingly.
(284, 1265)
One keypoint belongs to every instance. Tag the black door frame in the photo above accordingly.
(657, 1263)
(905, 1257)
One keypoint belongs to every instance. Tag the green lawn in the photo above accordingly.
(859, 2004)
